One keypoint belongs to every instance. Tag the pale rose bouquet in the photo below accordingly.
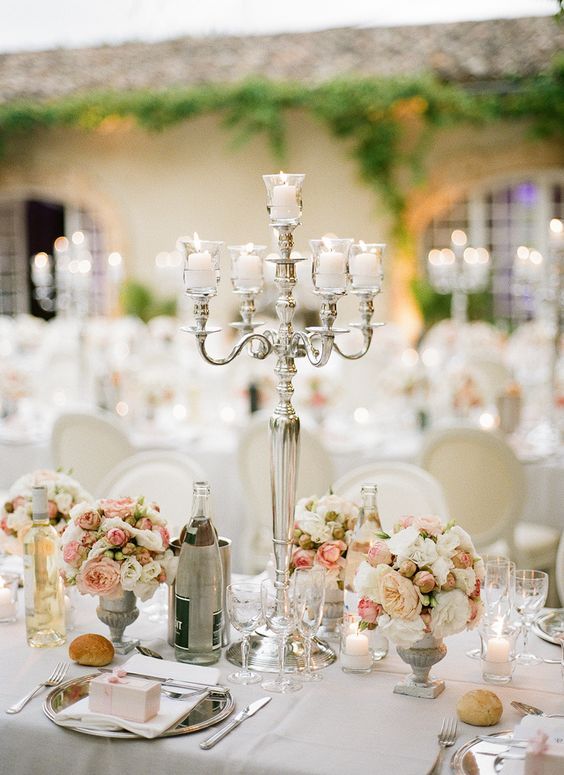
(323, 529)
(112, 546)
(422, 580)
(63, 492)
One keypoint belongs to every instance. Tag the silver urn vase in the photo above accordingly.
(118, 613)
(421, 657)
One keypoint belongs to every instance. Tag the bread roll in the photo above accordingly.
(92, 650)
(479, 707)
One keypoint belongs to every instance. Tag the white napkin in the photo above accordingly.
(163, 668)
(525, 730)
(171, 711)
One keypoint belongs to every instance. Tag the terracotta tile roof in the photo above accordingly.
(462, 51)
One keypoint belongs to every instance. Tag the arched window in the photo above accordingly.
(36, 278)
(501, 217)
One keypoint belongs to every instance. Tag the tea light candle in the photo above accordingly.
(200, 272)
(284, 204)
(249, 270)
(497, 656)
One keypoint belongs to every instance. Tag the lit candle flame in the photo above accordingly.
(363, 246)
(249, 247)
(283, 178)
(197, 242)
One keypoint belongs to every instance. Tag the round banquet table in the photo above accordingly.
(345, 723)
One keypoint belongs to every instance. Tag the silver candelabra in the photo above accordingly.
(338, 265)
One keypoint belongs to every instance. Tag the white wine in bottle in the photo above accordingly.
(365, 533)
(43, 585)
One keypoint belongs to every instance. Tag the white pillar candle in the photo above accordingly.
(356, 655)
(249, 266)
(365, 270)
(200, 272)
(331, 268)
(284, 205)
(356, 645)
(497, 661)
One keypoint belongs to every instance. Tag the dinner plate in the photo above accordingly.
(548, 624)
(476, 757)
(210, 711)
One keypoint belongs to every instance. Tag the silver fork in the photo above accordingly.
(54, 679)
(446, 738)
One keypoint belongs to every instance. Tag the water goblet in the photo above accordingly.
(244, 607)
(309, 597)
(531, 589)
(496, 591)
(280, 615)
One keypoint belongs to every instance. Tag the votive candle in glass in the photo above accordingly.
(201, 265)
(284, 197)
(356, 656)
(330, 264)
(365, 267)
(247, 267)
(498, 650)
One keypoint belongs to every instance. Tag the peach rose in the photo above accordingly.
(450, 582)
(403, 523)
(379, 554)
(72, 553)
(425, 581)
(88, 520)
(407, 568)
(144, 524)
(368, 610)
(116, 536)
(88, 539)
(400, 599)
(462, 560)
(100, 576)
(143, 556)
(329, 555)
(302, 558)
(118, 507)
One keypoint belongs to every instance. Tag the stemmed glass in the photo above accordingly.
(244, 607)
(497, 591)
(531, 589)
(309, 597)
(280, 614)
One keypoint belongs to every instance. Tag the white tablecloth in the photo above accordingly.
(343, 724)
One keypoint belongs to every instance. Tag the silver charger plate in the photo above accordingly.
(212, 710)
(476, 757)
(548, 624)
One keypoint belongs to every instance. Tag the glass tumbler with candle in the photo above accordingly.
(247, 274)
(498, 650)
(330, 265)
(8, 597)
(356, 656)
(201, 265)
(365, 267)
(284, 198)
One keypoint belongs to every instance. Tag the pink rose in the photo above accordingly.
(88, 520)
(431, 525)
(100, 576)
(118, 507)
(474, 613)
(476, 591)
(72, 554)
(329, 555)
(379, 554)
(52, 509)
(116, 536)
(400, 598)
(462, 560)
(425, 581)
(303, 558)
(403, 523)
(165, 535)
(144, 524)
(368, 610)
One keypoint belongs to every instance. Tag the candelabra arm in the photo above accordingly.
(367, 337)
(303, 344)
(366, 310)
(260, 352)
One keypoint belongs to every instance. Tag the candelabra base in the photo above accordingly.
(263, 653)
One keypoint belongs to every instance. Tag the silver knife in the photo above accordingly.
(246, 713)
(173, 682)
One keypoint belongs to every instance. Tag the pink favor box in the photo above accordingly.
(132, 698)
(549, 763)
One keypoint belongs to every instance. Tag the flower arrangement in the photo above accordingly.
(63, 492)
(112, 546)
(323, 529)
(422, 580)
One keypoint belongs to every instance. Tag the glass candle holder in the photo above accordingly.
(498, 650)
(247, 269)
(8, 597)
(356, 656)
(365, 267)
(330, 264)
(201, 265)
(284, 198)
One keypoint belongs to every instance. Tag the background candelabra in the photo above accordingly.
(338, 265)
(538, 291)
(459, 270)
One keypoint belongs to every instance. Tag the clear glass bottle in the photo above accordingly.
(199, 587)
(43, 585)
(367, 526)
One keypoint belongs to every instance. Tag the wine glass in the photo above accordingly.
(531, 589)
(244, 607)
(496, 591)
(309, 596)
(280, 615)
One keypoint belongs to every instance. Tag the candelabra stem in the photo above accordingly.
(459, 306)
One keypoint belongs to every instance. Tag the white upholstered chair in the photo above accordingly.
(403, 490)
(559, 572)
(161, 476)
(89, 445)
(315, 474)
(484, 486)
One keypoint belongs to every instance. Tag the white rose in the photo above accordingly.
(304, 507)
(72, 533)
(130, 573)
(19, 518)
(464, 540)
(63, 501)
(450, 613)
(368, 580)
(150, 571)
(402, 632)
(403, 542)
(336, 504)
(169, 563)
(465, 579)
(99, 548)
(145, 590)
(447, 543)
(316, 527)
(440, 569)
(424, 552)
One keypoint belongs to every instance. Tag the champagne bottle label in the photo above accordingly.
(217, 625)
(182, 622)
